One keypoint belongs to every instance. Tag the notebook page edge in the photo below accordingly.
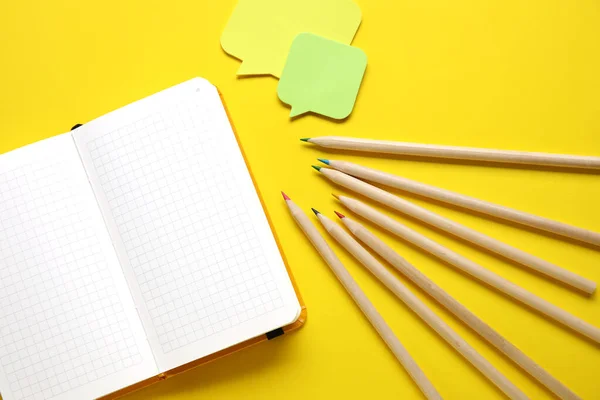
(48, 155)
(137, 108)
(82, 130)
(265, 223)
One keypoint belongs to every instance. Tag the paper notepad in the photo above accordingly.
(132, 246)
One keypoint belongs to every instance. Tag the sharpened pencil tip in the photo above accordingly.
(316, 212)
(316, 167)
(324, 160)
(339, 214)
(335, 195)
(285, 196)
(306, 139)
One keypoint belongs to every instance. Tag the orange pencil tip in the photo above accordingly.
(339, 214)
(285, 196)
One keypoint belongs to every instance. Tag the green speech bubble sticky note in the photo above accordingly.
(260, 32)
(322, 76)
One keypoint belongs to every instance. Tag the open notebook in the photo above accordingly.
(131, 246)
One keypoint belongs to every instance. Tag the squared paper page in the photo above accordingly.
(68, 325)
(187, 223)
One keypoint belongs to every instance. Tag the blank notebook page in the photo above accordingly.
(187, 224)
(68, 325)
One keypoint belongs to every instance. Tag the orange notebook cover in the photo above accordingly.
(133, 248)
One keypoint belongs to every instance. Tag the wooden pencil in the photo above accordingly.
(457, 153)
(362, 301)
(419, 308)
(455, 307)
(473, 269)
(454, 228)
(466, 202)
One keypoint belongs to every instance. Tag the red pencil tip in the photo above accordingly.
(285, 196)
(339, 214)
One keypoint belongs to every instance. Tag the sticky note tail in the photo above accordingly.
(249, 68)
(298, 111)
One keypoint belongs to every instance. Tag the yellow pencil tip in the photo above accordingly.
(335, 195)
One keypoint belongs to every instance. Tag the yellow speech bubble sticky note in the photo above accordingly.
(260, 32)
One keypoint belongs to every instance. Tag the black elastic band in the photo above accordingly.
(274, 333)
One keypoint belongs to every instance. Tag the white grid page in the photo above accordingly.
(187, 234)
(62, 323)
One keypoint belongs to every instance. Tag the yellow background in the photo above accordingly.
(501, 74)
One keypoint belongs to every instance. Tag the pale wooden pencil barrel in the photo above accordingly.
(542, 266)
(475, 270)
(459, 310)
(458, 153)
(363, 302)
(419, 308)
(467, 202)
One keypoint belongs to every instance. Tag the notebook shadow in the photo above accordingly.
(204, 379)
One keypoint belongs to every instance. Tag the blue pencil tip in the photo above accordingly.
(315, 211)
(316, 167)
(323, 160)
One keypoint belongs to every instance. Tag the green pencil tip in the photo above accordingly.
(315, 211)
(323, 160)
(306, 139)
(316, 167)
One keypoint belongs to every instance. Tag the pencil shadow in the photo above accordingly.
(449, 161)
(413, 288)
(450, 314)
(501, 257)
(366, 321)
(457, 320)
(493, 218)
(463, 273)
(483, 249)
(421, 322)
